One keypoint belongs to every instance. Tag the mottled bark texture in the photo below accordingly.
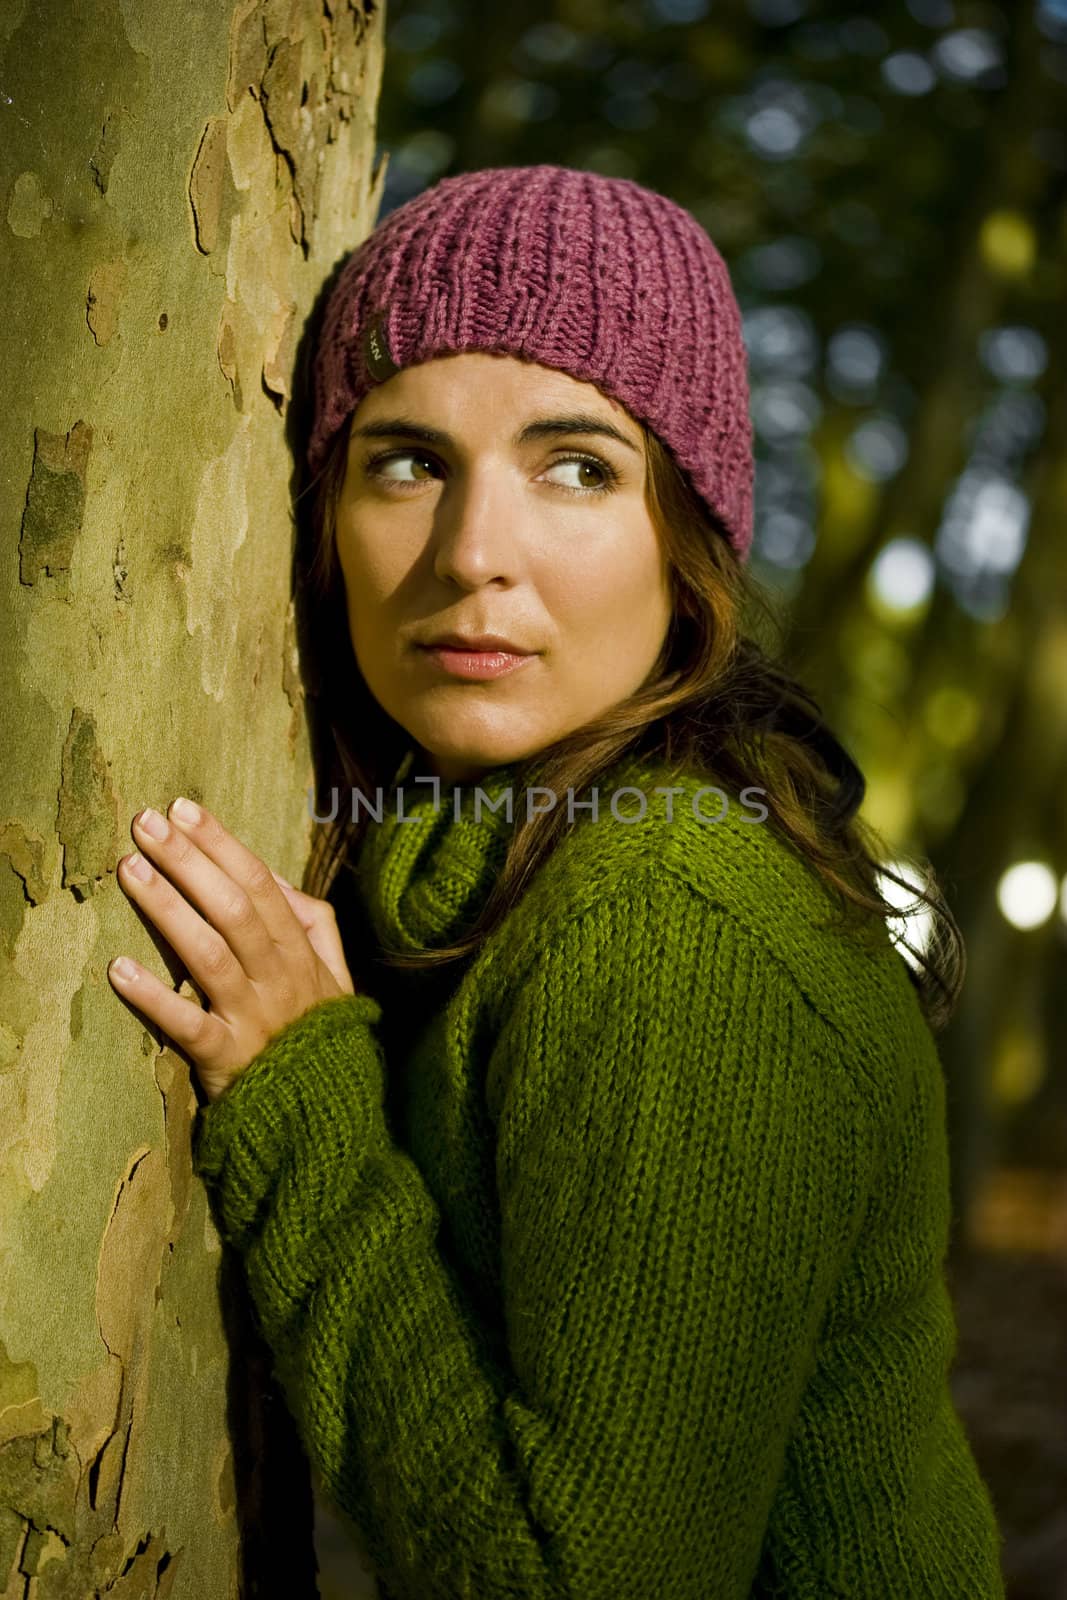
(176, 183)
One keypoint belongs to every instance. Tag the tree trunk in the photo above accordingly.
(176, 183)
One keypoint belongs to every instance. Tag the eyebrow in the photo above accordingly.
(543, 428)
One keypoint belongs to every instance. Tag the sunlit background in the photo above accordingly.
(889, 190)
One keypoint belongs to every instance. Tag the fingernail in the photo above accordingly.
(139, 866)
(122, 968)
(185, 810)
(152, 823)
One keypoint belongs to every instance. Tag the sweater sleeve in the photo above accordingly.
(681, 1170)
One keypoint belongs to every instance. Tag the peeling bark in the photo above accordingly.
(55, 502)
(87, 824)
(102, 301)
(166, 237)
(207, 184)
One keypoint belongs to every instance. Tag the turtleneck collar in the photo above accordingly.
(425, 870)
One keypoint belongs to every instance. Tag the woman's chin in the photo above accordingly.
(465, 763)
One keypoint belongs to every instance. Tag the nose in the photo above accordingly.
(476, 525)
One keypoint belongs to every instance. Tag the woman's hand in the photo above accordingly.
(261, 951)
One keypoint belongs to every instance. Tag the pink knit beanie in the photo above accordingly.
(599, 277)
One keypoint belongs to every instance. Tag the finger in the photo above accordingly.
(241, 865)
(308, 911)
(211, 963)
(318, 921)
(225, 908)
(295, 898)
(193, 1029)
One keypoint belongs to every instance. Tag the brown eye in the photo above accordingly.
(608, 475)
(377, 463)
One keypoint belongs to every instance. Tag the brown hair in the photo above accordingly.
(715, 702)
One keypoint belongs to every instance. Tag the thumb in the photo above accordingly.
(318, 921)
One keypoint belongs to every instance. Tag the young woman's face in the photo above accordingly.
(494, 528)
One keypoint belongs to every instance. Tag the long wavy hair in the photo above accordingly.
(715, 702)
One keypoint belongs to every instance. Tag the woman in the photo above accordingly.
(598, 1231)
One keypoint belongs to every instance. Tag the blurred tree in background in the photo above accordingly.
(889, 190)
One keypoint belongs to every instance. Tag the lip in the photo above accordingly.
(475, 664)
(474, 642)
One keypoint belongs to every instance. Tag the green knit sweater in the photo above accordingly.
(610, 1267)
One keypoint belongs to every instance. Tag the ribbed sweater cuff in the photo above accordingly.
(312, 1099)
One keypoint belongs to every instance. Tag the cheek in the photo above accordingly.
(366, 568)
(624, 580)
(363, 607)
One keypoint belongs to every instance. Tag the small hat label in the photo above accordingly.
(376, 351)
